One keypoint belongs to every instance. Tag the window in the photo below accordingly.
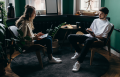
(13, 3)
(40, 5)
(80, 5)
(6, 3)
(90, 4)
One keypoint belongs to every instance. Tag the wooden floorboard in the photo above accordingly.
(114, 70)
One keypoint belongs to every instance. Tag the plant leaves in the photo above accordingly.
(23, 42)
(20, 32)
(2, 27)
(55, 30)
(0, 48)
(27, 38)
(1, 35)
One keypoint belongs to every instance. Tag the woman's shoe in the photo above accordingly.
(57, 58)
(53, 60)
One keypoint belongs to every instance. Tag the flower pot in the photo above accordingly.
(55, 46)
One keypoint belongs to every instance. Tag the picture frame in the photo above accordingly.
(51, 7)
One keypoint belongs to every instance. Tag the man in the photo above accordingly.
(98, 30)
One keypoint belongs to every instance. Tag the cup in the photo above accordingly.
(77, 24)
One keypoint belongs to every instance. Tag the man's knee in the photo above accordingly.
(88, 41)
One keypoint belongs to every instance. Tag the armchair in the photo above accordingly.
(37, 47)
(98, 44)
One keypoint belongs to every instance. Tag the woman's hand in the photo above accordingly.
(37, 37)
(40, 34)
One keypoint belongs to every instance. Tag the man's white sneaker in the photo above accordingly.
(57, 58)
(53, 60)
(75, 56)
(76, 67)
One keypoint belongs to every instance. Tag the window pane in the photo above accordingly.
(5, 3)
(38, 4)
(90, 4)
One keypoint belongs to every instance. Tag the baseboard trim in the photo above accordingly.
(113, 51)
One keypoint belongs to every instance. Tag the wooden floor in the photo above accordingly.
(114, 70)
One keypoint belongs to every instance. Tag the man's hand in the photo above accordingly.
(89, 30)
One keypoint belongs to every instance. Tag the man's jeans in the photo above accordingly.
(82, 39)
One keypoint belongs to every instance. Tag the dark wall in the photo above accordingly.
(42, 23)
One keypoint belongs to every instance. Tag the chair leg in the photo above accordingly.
(109, 48)
(43, 51)
(71, 47)
(39, 58)
(92, 55)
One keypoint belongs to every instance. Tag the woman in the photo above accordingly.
(25, 23)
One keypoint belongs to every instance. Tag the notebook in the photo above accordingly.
(45, 35)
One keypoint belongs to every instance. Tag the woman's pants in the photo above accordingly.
(46, 41)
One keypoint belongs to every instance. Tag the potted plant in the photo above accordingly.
(3, 12)
(3, 55)
(3, 60)
(53, 33)
(20, 41)
(17, 43)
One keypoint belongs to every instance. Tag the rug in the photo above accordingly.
(27, 65)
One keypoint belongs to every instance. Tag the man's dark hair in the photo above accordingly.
(104, 10)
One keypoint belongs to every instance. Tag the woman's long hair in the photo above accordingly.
(27, 14)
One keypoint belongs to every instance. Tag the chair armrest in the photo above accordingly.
(34, 47)
(40, 45)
